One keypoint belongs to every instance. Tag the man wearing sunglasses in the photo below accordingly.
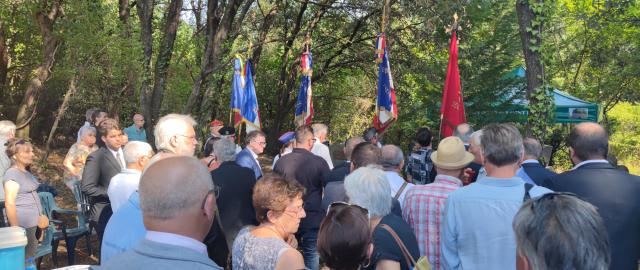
(176, 219)
(476, 231)
(612, 191)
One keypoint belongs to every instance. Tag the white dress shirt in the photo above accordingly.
(122, 185)
(396, 181)
(321, 150)
(123, 164)
(590, 161)
(176, 240)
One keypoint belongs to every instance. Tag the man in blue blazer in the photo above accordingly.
(255, 143)
(531, 171)
(612, 191)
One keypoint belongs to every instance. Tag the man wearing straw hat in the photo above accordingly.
(424, 205)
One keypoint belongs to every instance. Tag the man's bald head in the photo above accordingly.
(463, 131)
(172, 185)
(350, 144)
(589, 141)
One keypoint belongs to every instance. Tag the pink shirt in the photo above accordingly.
(423, 210)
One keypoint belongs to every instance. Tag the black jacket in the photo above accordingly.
(309, 170)
(538, 173)
(100, 167)
(235, 207)
(615, 193)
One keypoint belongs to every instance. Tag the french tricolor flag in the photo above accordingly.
(386, 109)
(304, 104)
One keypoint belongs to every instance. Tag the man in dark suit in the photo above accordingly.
(100, 167)
(255, 143)
(234, 201)
(309, 170)
(334, 182)
(531, 171)
(613, 192)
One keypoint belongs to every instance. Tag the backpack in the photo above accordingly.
(420, 167)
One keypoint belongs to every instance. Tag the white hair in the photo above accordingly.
(319, 129)
(476, 137)
(369, 188)
(171, 125)
(134, 150)
(6, 128)
(224, 149)
(84, 131)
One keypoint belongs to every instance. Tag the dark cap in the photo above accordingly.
(227, 131)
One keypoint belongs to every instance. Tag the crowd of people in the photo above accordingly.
(480, 200)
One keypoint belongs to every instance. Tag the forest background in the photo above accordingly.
(58, 58)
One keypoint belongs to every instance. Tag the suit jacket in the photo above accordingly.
(157, 256)
(245, 159)
(234, 205)
(538, 173)
(100, 167)
(615, 193)
(338, 173)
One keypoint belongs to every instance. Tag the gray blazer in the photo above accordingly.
(157, 256)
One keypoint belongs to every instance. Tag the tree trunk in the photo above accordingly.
(63, 107)
(532, 61)
(145, 15)
(46, 20)
(124, 12)
(4, 61)
(217, 34)
(172, 16)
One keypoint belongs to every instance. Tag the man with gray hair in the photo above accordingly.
(176, 219)
(392, 160)
(531, 171)
(174, 133)
(476, 232)
(7, 131)
(319, 148)
(334, 182)
(256, 142)
(560, 231)
(235, 188)
(122, 185)
(475, 169)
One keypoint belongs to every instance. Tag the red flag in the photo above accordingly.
(452, 109)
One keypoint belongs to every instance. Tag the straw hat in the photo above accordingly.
(451, 154)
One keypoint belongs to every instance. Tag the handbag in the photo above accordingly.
(43, 220)
(423, 261)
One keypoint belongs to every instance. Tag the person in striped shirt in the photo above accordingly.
(424, 205)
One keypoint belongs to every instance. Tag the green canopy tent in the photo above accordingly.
(569, 109)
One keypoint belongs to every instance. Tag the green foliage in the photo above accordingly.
(625, 138)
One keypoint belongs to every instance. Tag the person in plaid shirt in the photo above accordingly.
(424, 205)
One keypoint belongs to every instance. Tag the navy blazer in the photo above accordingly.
(615, 193)
(538, 173)
(245, 159)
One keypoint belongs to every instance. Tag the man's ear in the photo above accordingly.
(210, 206)
(352, 166)
(103, 138)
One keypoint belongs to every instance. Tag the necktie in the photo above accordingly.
(119, 160)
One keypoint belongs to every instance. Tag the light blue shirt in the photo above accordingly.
(476, 232)
(522, 174)
(177, 240)
(124, 229)
(136, 134)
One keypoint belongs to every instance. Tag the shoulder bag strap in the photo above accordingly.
(527, 188)
(403, 248)
(404, 185)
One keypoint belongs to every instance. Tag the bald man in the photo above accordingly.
(613, 192)
(136, 131)
(176, 219)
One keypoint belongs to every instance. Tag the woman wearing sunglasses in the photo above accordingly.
(272, 245)
(21, 198)
(344, 238)
(368, 187)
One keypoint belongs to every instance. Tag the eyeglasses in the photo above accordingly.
(340, 205)
(215, 191)
(193, 137)
(536, 203)
(261, 143)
